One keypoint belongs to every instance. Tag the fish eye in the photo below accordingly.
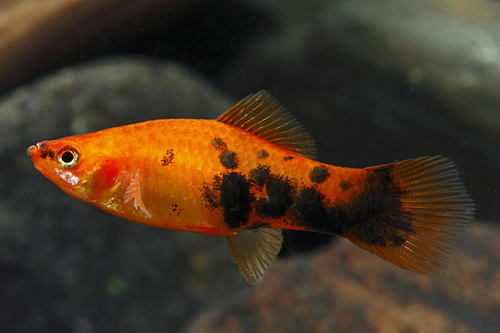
(68, 158)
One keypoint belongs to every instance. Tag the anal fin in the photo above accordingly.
(254, 250)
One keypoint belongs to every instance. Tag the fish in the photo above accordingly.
(250, 173)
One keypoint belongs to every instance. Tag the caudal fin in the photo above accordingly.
(435, 206)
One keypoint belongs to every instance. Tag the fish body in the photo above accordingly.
(250, 173)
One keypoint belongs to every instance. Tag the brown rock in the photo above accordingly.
(344, 288)
(35, 33)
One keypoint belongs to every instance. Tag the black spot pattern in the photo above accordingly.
(168, 157)
(319, 174)
(311, 209)
(373, 217)
(259, 175)
(345, 185)
(228, 159)
(231, 193)
(279, 197)
(219, 144)
(259, 224)
(211, 193)
(287, 158)
(46, 152)
(235, 199)
(262, 154)
(176, 210)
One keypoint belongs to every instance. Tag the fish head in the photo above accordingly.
(76, 165)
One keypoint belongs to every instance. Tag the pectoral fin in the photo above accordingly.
(254, 250)
(133, 191)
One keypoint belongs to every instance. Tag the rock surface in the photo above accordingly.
(346, 289)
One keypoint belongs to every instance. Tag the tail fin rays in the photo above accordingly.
(439, 208)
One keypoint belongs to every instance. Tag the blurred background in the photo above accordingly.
(373, 81)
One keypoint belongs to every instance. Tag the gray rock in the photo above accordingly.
(66, 265)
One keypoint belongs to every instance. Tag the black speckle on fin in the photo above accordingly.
(254, 250)
(437, 209)
(263, 116)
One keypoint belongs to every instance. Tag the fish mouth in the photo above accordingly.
(32, 150)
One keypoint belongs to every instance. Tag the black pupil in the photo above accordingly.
(67, 157)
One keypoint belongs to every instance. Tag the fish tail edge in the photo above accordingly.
(434, 206)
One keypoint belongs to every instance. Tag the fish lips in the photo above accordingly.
(31, 151)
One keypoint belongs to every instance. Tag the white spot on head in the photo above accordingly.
(67, 176)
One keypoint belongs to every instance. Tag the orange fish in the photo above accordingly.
(250, 173)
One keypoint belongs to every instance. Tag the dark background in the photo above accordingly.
(373, 81)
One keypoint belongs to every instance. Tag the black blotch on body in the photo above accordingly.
(229, 159)
(287, 158)
(279, 197)
(231, 193)
(259, 224)
(373, 217)
(259, 175)
(345, 185)
(219, 144)
(319, 174)
(312, 209)
(168, 157)
(235, 199)
(46, 152)
(262, 154)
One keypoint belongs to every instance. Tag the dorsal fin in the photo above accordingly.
(263, 116)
